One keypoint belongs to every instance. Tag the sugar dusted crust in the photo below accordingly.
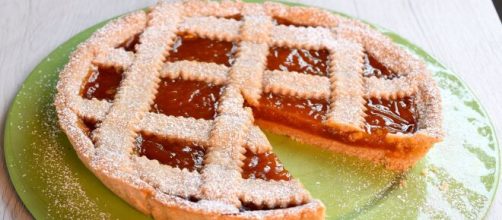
(219, 190)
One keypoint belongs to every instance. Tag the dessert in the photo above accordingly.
(166, 107)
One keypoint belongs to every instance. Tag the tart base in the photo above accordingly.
(391, 159)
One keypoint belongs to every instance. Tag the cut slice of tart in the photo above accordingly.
(166, 107)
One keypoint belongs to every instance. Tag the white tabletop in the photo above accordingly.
(466, 36)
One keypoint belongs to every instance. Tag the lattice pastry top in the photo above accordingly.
(171, 126)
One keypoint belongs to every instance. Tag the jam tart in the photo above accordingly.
(166, 106)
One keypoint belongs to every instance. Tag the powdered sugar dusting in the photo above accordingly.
(347, 88)
(62, 182)
(57, 181)
(191, 70)
(296, 84)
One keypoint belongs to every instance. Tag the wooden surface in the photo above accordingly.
(464, 35)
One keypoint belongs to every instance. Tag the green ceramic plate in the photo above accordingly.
(457, 179)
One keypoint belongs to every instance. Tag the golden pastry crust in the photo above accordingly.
(219, 191)
(390, 159)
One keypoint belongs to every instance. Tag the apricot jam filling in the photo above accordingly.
(88, 126)
(236, 17)
(395, 115)
(313, 62)
(287, 22)
(250, 206)
(186, 98)
(175, 154)
(130, 44)
(383, 116)
(292, 111)
(102, 83)
(193, 48)
(264, 166)
(374, 68)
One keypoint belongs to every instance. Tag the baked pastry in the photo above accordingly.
(166, 106)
